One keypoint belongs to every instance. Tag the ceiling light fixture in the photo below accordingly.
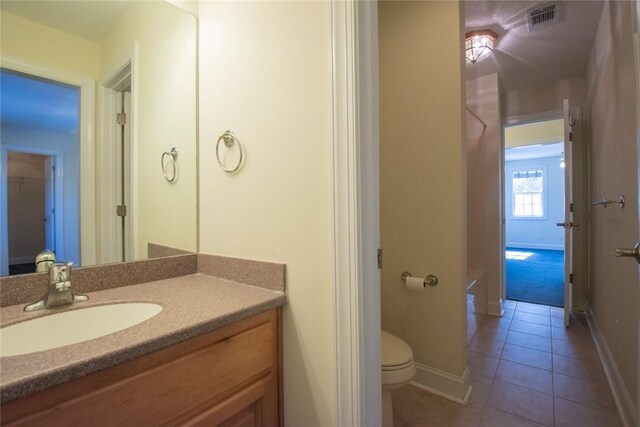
(479, 44)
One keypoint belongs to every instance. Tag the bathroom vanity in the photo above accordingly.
(212, 356)
(226, 377)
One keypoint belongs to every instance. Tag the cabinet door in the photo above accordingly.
(253, 406)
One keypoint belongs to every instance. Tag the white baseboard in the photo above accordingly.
(542, 246)
(624, 402)
(443, 384)
(22, 260)
(494, 308)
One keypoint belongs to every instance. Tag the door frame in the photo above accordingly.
(356, 228)
(579, 168)
(87, 205)
(636, 36)
(50, 202)
(517, 120)
(514, 120)
(58, 161)
(125, 67)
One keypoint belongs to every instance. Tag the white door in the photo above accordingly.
(123, 178)
(128, 171)
(49, 204)
(576, 211)
(568, 223)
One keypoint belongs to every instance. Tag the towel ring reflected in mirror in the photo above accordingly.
(229, 140)
(173, 154)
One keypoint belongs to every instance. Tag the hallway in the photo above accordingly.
(526, 370)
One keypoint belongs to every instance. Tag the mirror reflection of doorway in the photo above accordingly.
(40, 173)
(534, 204)
(30, 193)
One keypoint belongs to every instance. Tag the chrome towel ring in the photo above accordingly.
(173, 154)
(229, 139)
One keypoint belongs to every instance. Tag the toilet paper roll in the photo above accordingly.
(415, 283)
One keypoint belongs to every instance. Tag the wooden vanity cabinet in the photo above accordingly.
(228, 377)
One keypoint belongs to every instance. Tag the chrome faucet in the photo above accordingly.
(59, 290)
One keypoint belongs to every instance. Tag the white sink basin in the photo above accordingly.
(71, 327)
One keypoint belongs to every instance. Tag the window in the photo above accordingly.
(527, 193)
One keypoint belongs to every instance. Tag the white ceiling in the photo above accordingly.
(91, 20)
(523, 58)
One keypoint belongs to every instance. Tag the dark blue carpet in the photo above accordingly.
(535, 276)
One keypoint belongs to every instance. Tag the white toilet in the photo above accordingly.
(397, 370)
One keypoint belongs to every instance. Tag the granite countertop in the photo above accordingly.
(191, 305)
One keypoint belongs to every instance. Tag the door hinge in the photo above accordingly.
(121, 210)
(121, 118)
(379, 258)
(571, 278)
(570, 136)
(571, 207)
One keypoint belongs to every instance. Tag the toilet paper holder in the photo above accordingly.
(430, 280)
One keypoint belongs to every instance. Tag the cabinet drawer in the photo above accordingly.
(251, 407)
(168, 388)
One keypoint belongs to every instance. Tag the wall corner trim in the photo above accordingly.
(495, 308)
(443, 384)
(624, 402)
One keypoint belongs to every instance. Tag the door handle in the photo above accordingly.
(626, 252)
(568, 224)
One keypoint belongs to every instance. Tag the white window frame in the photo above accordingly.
(516, 169)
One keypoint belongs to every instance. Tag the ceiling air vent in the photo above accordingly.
(542, 17)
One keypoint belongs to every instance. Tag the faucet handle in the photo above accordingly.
(59, 272)
(44, 260)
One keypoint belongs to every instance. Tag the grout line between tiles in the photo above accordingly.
(553, 383)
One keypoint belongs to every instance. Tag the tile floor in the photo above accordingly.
(527, 369)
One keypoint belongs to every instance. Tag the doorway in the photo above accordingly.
(30, 193)
(534, 189)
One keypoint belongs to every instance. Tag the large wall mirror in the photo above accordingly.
(98, 131)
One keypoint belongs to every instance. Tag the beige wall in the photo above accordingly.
(484, 185)
(164, 117)
(614, 168)
(423, 178)
(38, 44)
(544, 98)
(265, 73)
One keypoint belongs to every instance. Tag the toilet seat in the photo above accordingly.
(397, 360)
(398, 367)
(395, 352)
